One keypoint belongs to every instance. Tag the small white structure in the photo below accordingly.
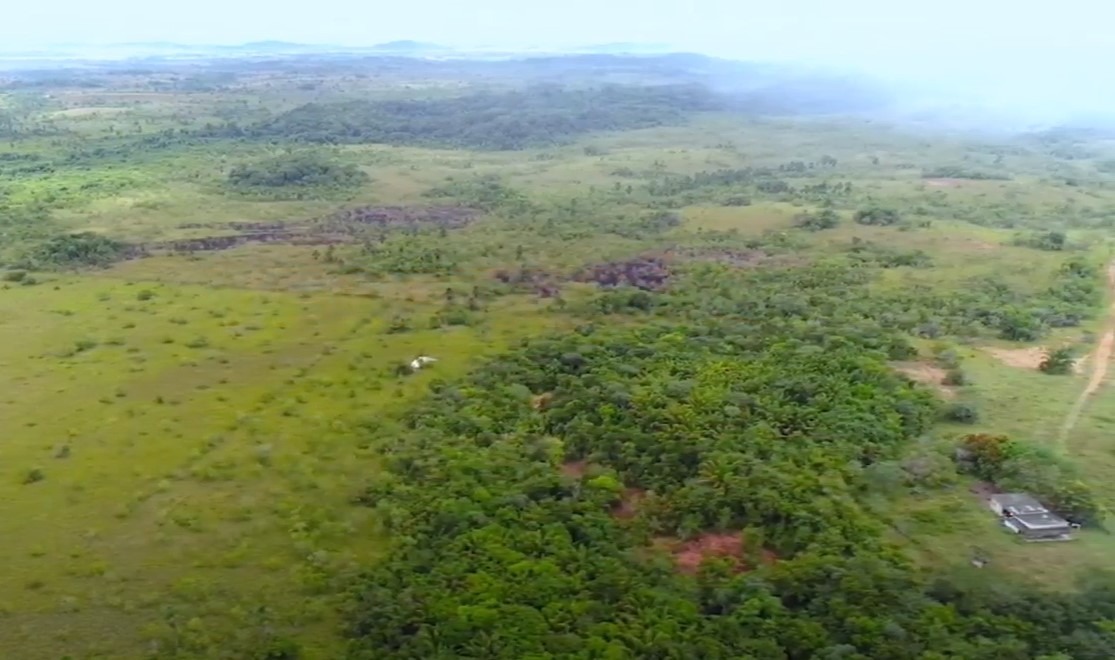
(1025, 516)
(421, 361)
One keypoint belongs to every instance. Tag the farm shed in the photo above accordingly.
(1024, 515)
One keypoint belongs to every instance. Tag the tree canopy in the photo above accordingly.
(531, 502)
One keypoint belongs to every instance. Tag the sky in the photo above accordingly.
(1036, 51)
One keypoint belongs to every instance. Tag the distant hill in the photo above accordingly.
(627, 48)
(277, 46)
(408, 46)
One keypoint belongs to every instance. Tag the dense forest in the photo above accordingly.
(535, 504)
(295, 174)
(488, 120)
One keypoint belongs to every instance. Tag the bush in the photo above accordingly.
(34, 475)
(961, 413)
(399, 324)
(877, 216)
(197, 342)
(299, 171)
(145, 294)
(1050, 241)
(15, 275)
(955, 377)
(77, 250)
(1057, 362)
(825, 219)
(82, 345)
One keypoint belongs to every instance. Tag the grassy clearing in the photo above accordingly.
(199, 454)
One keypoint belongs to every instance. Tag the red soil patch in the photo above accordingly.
(629, 502)
(926, 374)
(689, 555)
(1023, 358)
(574, 468)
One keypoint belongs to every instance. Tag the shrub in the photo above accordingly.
(34, 475)
(878, 216)
(961, 413)
(82, 345)
(398, 325)
(955, 377)
(825, 219)
(1057, 362)
(15, 275)
(1050, 241)
(307, 170)
(85, 249)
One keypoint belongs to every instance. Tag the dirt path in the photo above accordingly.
(1098, 360)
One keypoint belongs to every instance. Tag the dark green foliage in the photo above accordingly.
(957, 172)
(279, 175)
(1051, 241)
(34, 475)
(868, 252)
(1019, 325)
(823, 219)
(1059, 361)
(750, 403)
(398, 324)
(955, 377)
(878, 216)
(725, 184)
(961, 413)
(486, 193)
(413, 253)
(511, 120)
(85, 249)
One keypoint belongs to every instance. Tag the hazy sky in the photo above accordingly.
(1065, 45)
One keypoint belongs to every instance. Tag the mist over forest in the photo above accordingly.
(950, 95)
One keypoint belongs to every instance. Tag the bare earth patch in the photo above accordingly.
(542, 401)
(984, 490)
(927, 374)
(689, 555)
(574, 469)
(350, 226)
(1023, 358)
(629, 502)
(982, 246)
(943, 183)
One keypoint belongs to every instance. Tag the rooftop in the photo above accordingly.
(1040, 521)
(1018, 504)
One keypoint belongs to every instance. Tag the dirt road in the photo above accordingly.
(1098, 361)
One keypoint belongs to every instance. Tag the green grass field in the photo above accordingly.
(199, 453)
